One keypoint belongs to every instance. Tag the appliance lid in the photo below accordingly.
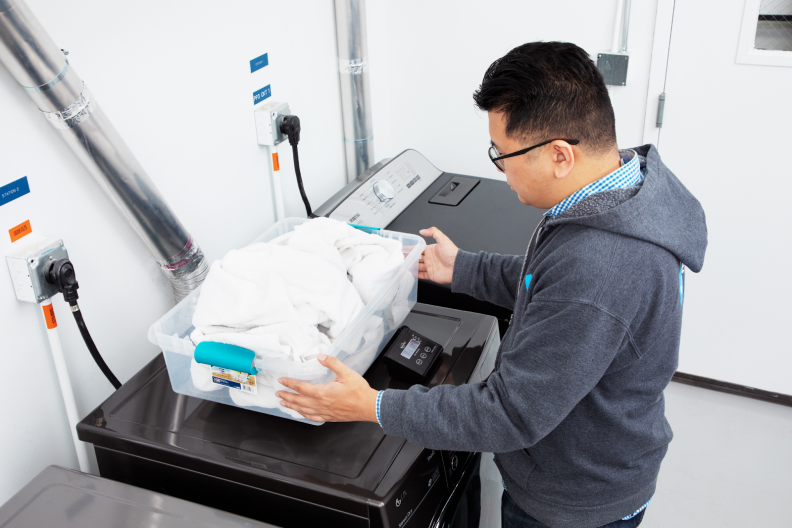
(70, 499)
(146, 412)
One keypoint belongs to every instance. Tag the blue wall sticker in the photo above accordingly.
(528, 281)
(258, 63)
(14, 190)
(260, 95)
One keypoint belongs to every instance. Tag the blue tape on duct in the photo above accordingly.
(258, 63)
(14, 190)
(260, 95)
(226, 356)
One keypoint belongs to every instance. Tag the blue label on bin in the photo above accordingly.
(226, 383)
(258, 63)
(260, 95)
(17, 189)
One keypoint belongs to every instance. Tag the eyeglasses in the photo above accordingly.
(496, 157)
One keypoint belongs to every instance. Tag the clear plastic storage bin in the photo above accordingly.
(358, 346)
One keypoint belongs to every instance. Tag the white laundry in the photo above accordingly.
(265, 284)
(293, 340)
(399, 306)
(362, 348)
(265, 398)
(202, 377)
(370, 260)
(289, 299)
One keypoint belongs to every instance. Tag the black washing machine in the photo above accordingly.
(407, 193)
(292, 474)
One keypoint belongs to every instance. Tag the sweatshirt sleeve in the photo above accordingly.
(487, 277)
(560, 352)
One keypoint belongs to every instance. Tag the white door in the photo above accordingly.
(726, 134)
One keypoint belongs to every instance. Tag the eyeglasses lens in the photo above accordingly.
(493, 153)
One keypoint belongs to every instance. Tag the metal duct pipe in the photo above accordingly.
(355, 85)
(40, 67)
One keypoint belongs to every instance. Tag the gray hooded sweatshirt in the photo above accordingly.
(574, 409)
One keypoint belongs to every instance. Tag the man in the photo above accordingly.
(574, 409)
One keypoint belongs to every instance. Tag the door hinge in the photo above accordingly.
(660, 109)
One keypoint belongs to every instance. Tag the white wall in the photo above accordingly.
(727, 142)
(428, 58)
(174, 78)
(775, 7)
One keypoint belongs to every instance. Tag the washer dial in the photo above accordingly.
(384, 191)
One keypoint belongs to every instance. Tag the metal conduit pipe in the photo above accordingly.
(353, 70)
(40, 67)
(625, 26)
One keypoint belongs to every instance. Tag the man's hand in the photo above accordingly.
(437, 261)
(348, 398)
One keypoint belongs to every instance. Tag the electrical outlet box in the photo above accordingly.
(613, 67)
(267, 129)
(28, 266)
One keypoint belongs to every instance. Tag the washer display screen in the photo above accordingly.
(410, 349)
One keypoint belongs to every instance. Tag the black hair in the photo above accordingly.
(550, 90)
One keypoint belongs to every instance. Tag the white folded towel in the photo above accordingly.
(290, 298)
(265, 398)
(370, 260)
(363, 345)
(265, 284)
(202, 377)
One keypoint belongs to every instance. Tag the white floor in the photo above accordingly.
(729, 465)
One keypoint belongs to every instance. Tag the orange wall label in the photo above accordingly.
(49, 316)
(20, 230)
(275, 164)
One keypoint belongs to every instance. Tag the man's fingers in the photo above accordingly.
(299, 386)
(335, 365)
(310, 414)
(318, 418)
(434, 233)
(296, 399)
(302, 409)
(304, 412)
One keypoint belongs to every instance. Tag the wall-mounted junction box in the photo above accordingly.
(613, 67)
(267, 128)
(28, 266)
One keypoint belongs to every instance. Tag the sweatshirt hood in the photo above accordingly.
(662, 212)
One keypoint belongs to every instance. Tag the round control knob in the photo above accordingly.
(384, 191)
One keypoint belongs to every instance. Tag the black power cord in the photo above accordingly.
(61, 274)
(290, 125)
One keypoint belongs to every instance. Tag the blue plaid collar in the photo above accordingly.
(627, 175)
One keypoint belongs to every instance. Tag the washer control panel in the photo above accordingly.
(410, 356)
(388, 192)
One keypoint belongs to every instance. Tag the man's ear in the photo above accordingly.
(563, 158)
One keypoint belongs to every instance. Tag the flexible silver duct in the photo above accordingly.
(36, 63)
(353, 69)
